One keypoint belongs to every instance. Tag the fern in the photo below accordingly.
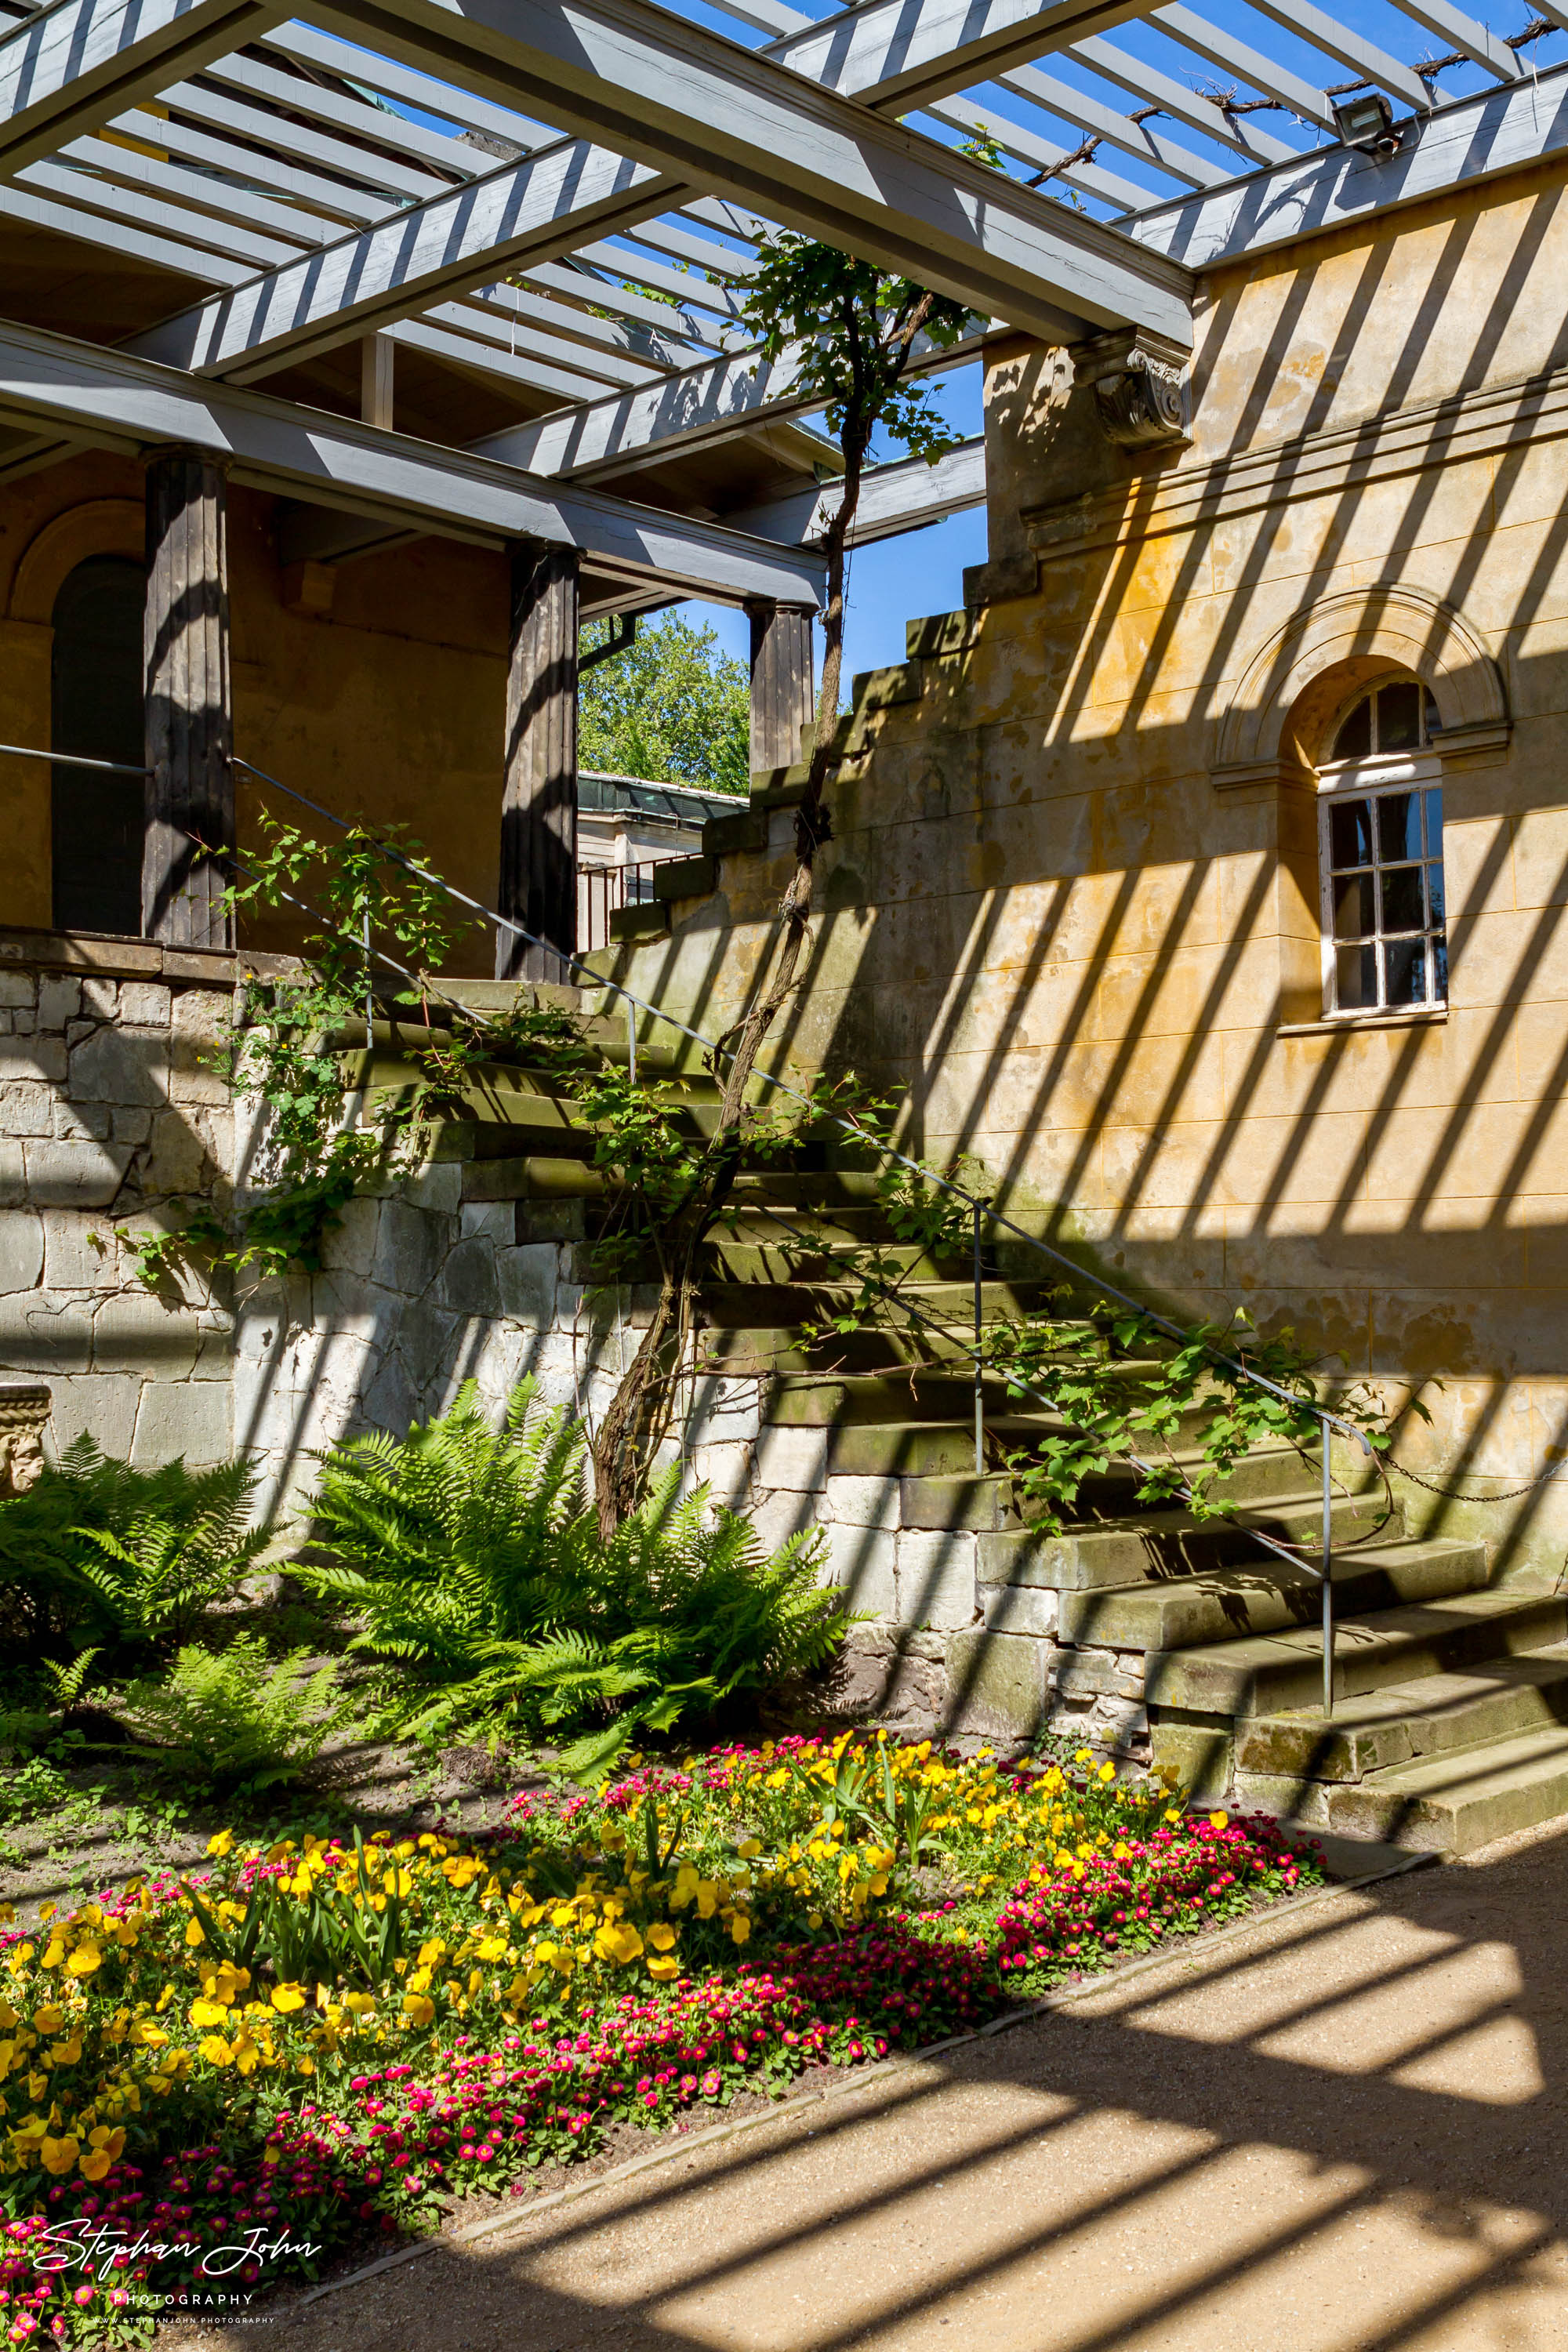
(471, 1558)
(230, 1717)
(97, 1554)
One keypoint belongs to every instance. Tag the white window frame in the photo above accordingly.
(1364, 779)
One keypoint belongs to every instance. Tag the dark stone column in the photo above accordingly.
(190, 724)
(782, 701)
(539, 800)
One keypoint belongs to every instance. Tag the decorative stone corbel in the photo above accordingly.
(1138, 387)
(24, 1417)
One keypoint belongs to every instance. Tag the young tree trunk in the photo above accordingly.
(641, 1410)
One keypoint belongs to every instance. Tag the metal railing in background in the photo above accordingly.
(603, 890)
(981, 1213)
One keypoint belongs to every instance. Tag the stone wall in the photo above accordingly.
(113, 1125)
(422, 1290)
(106, 1107)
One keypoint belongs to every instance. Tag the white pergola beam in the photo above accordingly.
(71, 66)
(1461, 32)
(1151, 88)
(686, 101)
(908, 52)
(1244, 63)
(682, 413)
(1470, 140)
(58, 390)
(518, 214)
(1337, 41)
(910, 494)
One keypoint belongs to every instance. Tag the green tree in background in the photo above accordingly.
(671, 708)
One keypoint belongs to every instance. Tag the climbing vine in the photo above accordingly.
(374, 914)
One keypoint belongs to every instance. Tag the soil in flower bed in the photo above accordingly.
(335, 2045)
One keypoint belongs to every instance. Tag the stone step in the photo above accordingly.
(1269, 1597)
(733, 1305)
(994, 1504)
(919, 1449)
(810, 1188)
(1157, 1544)
(538, 1177)
(1454, 1802)
(1405, 1722)
(1267, 1674)
(486, 1139)
(918, 1394)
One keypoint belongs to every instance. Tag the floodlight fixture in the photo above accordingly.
(1366, 120)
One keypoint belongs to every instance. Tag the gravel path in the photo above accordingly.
(1342, 2130)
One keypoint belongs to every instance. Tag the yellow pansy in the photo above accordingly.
(1218, 1820)
(215, 2050)
(286, 1997)
(195, 1933)
(418, 2008)
(664, 1967)
(662, 1936)
(208, 2012)
(57, 2156)
(619, 1942)
(739, 1927)
(49, 2019)
(220, 1844)
(103, 2147)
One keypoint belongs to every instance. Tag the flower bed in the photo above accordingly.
(207, 2085)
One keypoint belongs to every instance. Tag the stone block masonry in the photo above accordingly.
(114, 1125)
(108, 1109)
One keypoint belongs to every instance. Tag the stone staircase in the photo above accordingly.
(1142, 1631)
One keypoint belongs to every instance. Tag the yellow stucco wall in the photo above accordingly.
(392, 704)
(1071, 906)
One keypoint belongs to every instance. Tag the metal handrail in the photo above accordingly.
(71, 760)
(1322, 1567)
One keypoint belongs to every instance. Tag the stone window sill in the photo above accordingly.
(1334, 1025)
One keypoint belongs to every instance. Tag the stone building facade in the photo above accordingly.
(1073, 909)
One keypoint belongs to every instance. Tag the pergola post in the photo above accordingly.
(782, 701)
(539, 800)
(189, 708)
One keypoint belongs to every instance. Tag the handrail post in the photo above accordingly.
(1328, 1576)
(631, 1041)
(978, 1359)
(369, 995)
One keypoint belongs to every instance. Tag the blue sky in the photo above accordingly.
(897, 580)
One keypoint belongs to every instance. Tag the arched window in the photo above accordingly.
(96, 820)
(1381, 855)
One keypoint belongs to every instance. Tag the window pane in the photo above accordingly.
(1350, 833)
(1433, 802)
(1435, 910)
(1402, 908)
(1405, 966)
(1399, 717)
(1353, 740)
(1398, 826)
(1432, 715)
(1355, 917)
(1355, 978)
(1440, 970)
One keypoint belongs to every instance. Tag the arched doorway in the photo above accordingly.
(96, 821)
